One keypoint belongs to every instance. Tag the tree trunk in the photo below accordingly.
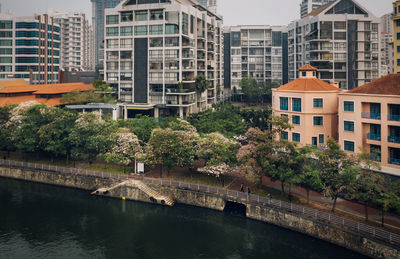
(290, 192)
(334, 203)
(366, 211)
(383, 218)
(282, 187)
(161, 169)
(308, 196)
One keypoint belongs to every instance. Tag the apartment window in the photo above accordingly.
(296, 102)
(112, 19)
(285, 135)
(171, 29)
(349, 126)
(141, 30)
(318, 103)
(285, 115)
(185, 24)
(398, 36)
(7, 60)
(6, 43)
(296, 137)
(112, 44)
(318, 121)
(126, 31)
(126, 43)
(398, 48)
(284, 103)
(398, 62)
(321, 139)
(156, 29)
(348, 106)
(5, 24)
(126, 65)
(296, 119)
(5, 68)
(127, 16)
(398, 23)
(112, 31)
(5, 34)
(349, 146)
(141, 15)
(6, 51)
(156, 15)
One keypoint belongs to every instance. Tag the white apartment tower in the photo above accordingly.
(341, 40)
(155, 49)
(307, 6)
(75, 40)
(386, 47)
(255, 51)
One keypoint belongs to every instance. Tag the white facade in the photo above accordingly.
(257, 52)
(307, 6)
(387, 23)
(75, 40)
(154, 52)
(386, 54)
(21, 55)
(341, 40)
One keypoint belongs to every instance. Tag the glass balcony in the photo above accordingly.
(394, 117)
(394, 139)
(369, 115)
(394, 161)
(372, 136)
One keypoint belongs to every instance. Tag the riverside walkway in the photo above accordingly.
(235, 196)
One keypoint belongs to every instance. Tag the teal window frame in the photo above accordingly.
(348, 126)
(321, 139)
(348, 106)
(112, 19)
(4, 25)
(6, 34)
(296, 120)
(349, 146)
(6, 60)
(284, 103)
(285, 135)
(318, 103)
(5, 43)
(318, 121)
(5, 51)
(296, 137)
(296, 104)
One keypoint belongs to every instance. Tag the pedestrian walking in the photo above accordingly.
(269, 198)
(248, 191)
(242, 187)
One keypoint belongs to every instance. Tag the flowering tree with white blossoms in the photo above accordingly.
(126, 149)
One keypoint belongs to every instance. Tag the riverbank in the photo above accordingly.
(214, 198)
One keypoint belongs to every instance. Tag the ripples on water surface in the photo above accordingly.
(41, 221)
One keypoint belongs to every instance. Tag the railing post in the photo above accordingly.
(329, 217)
(373, 231)
(179, 184)
(102, 175)
(303, 210)
(343, 222)
(390, 236)
(291, 207)
(198, 187)
(208, 188)
(280, 204)
(170, 183)
(358, 226)
(258, 199)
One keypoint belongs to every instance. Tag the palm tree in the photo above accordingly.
(202, 85)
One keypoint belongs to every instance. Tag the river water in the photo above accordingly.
(42, 221)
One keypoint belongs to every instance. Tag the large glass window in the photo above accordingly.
(141, 30)
(348, 106)
(5, 34)
(295, 137)
(5, 51)
(5, 24)
(6, 59)
(296, 102)
(126, 31)
(349, 126)
(5, 42)
(321, 139)
(156, 29)
(112, 19)
(318, 120)
(285, 135)
(349, 146)
(284, 103)
(185, 24)
(156, 15)
(112, 44)
(171, 29)
(5, 68)
(126, 43)
(141, 15)
(127, 16)
(112, 31)
(318, 103)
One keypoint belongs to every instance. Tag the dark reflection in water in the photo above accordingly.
(41, 221)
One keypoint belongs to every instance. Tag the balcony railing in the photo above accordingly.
(369, 115)
(394, 117)
(394, 139)
(372, 136)
(394, 161)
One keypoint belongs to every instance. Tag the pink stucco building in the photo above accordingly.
(312, 107)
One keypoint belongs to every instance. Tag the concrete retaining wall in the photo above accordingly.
(307, 226)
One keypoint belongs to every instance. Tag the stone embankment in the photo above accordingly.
(318, 229)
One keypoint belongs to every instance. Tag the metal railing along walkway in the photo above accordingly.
(327, 218)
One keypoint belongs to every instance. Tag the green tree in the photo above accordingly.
(91, 136)
(216, 149)
(310, 178)
(7, 129)
(201, 83)
(54, 135)
(257, 118)
(141, 126)
(171, 148)
(79, 97)
(251, 90)
(338, 171)
(266, 90)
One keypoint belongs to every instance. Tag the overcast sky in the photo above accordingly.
(269, 12)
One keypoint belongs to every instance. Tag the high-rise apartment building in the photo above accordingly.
(98, 23)
(75, 40)
(155, 51)
(210, 4)
(387, 23)
(307, 6)
(29, 48)
(341, 40)
(258, 52)
(386, 54)
(396, 36)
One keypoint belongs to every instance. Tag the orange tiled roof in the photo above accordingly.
(308, 85)
(319, 11)
(387, 85)
(12, 83)
(65, 88)
(19, 89)
(308, 67)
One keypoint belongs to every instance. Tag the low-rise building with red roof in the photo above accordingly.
(50, 94)
(311, 105)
